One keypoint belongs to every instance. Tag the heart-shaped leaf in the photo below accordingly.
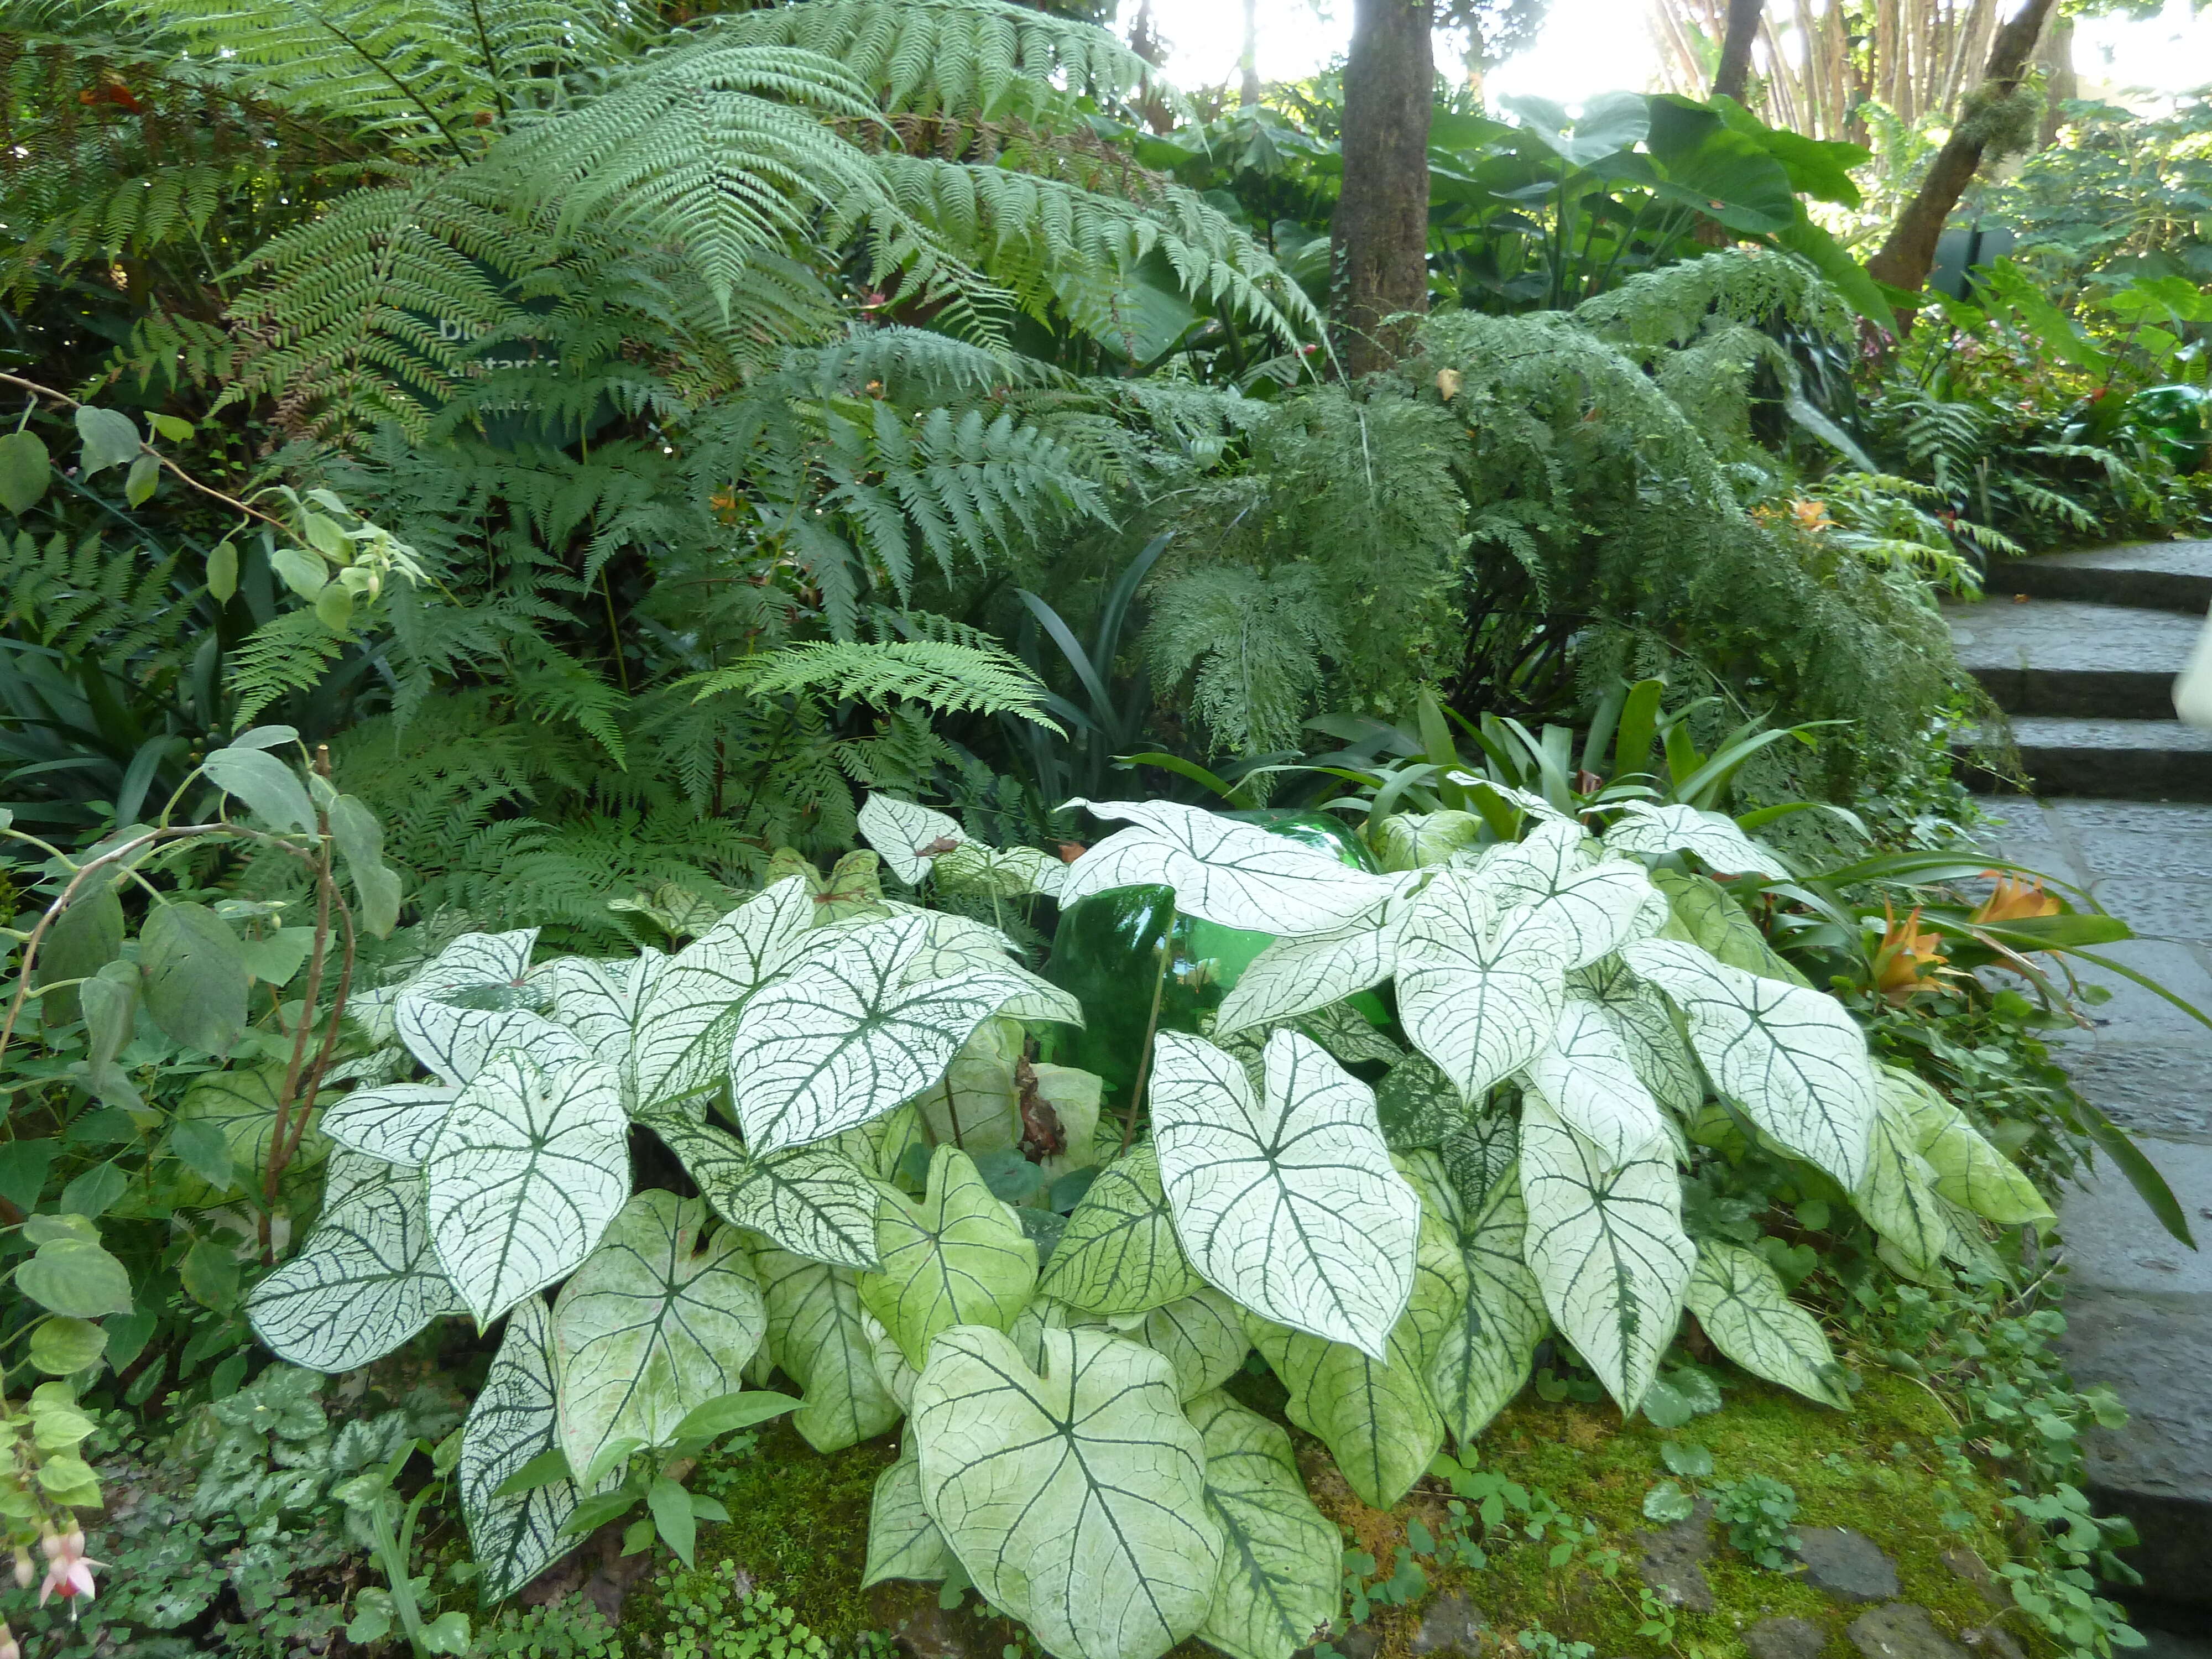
(1483, 1359)
(1280, 1579)
(812, 1200)
(1647, 828)
(1202, 1336)
(816, 1334)
(1739, 1300)
(955, 1256)
(904, 1542)
(398, 1123)
(514, 1420)
(1376, 1417)
(1297, 974)
(1480, 997)
(901, 830)
(1586, 1075)
(1120, 1254)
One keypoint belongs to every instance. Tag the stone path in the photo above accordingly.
(2081, 650)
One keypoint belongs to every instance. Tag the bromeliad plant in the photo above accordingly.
(1585, 1018)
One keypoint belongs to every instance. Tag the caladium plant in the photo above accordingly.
(1394, 1219)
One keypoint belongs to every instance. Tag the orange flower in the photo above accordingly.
(2016, 901)
(1908, 961)
(1812, 516)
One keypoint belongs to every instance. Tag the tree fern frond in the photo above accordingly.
(1252, 644)
(83, 599)
(291, 652)
(952, 678)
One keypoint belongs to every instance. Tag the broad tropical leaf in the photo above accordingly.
(1607, 1247)
(1120, 1254)
(960, 945)
(1741, 1301)
(1517, 872)
(1203, 1337)
(1646, 1028)
(1699, 912)
(908, 836)
(367, 1279)
(514, 1539)
(398, 1123)
(690, 1011)
(1377, 1417)
(1481, 1000)
(1480, 1154)
(1897, 1196)
(601, 1002)
(812, 1200)
(904, 1542)
(1586, 1075)
(1300, 973)
(995, 872)
(485, 968)
(1095, 1439)
(1281, 1583)
(955, 1256)
(815, 1333)
(530, 1166)
(1418, 1107)
(1647, 828)
(1233, 874)
(844, 1038)
(454, 1044)
(1288, 1202)
(1484, 1356)
(1792, 1058)
(660, 1319)
(1413, 841)
(1969, 1171)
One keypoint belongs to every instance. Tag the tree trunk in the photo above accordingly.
(2062, 86)
(1735, 71)
(1381, 232)
(1908, 249)
(1249, 94)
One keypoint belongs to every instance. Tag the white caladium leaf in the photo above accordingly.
(1483, 1359)
(514, 1539)
(1897, 1196)
(1480, 1153)
(660, 1319)
(394, 1124)
(1233, 874)
(1377, 1417)
(1281, 1562)
(812, 1200)
(1607, 1247)
(908, 836)
(815, 1332)
(1096, 1439)
(600, 1001)
(1649, 828)
(681, 1047)
(904, 1542)
(993, 872)
(844, 1038)
(959, 945)
(1969, 1171)
(891, 1368)
(1302, 972)
(1740, 1301)
(1517, 872)
(367, 1281)
(1288, 1201)
(1646, 1029)
(1791, 1057)
(1203, 1337)
(454, 1043)
(1481, 1000)
(1413, 841)
(1349, 1035)
(955, 1256)
(487, 968)
(1586, 1075)
(1120, 1254)
(528, 1169)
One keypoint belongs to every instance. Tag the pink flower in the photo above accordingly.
(68, 1569)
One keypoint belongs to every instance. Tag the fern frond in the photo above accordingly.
(291, 652)
(950, 678)
(83, 599)
(1252, 644)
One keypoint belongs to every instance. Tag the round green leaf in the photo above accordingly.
(195, 975)
(83, 940)
(1119, 1254)
(61, 1346)
(270, 789)
(25, 469)
(957, 1256)
(76, 1278)
(111, 439)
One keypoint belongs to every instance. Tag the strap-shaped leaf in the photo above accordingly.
(1202, 1336)
(528, 1169)
(1969, 1171)
(1075, 1494)
(1741, 1301)
(1897, 1196)
(1607, 1247)
(812, 1200)
(1300, 973)
(1479, 999)
(1646, 1029)
(904, 1542)
(453, 1044)
(1287, 1201)
(396, 1123)
(815, 1333)
(1224, 871)
(1376, 1417)
(844, 1038)
(1280, 1585)
(1791, 1057)
(515, 1538)
(1120, 1254)
(1646, 828)
(908, 836)
(955, 1256)
(1586, 1075)
(660, 1319)
(367, 1281)
(1484, 1357)
(692, 1009)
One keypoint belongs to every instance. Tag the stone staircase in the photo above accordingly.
(2079, 650)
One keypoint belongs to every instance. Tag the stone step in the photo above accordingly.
(2120, 759)
(2068, 657)
(2156, 575)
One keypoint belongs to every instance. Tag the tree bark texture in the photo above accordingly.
(1734, 74)
(1909, 250)
(1380, 235)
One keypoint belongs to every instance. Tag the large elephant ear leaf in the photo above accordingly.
(816, 1333)
(1280, 1585)
(1203, 1337)
(660, 1319)
(1226, 872)
(1701, 913)
(1119, 1254)
(1302, 972)
(812, 1200)
(1969, 1171)
(904, 1542)
(1646, 828)
(1480, 996)
(843, 1038)
(367, 1279)
(1646, 1028)
(1484, 1359)
(1897, 1196)
(1287, 1202)
(955, 1256)
(1741, 1301)
(908, 836)
(1586, 1075)
(398, 1123)
(515, 1538)
(1607, 1247)
(1791, 1057)
(1094, 1438)
(688, 1016)
(1376, 1417)
(529, 1167)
